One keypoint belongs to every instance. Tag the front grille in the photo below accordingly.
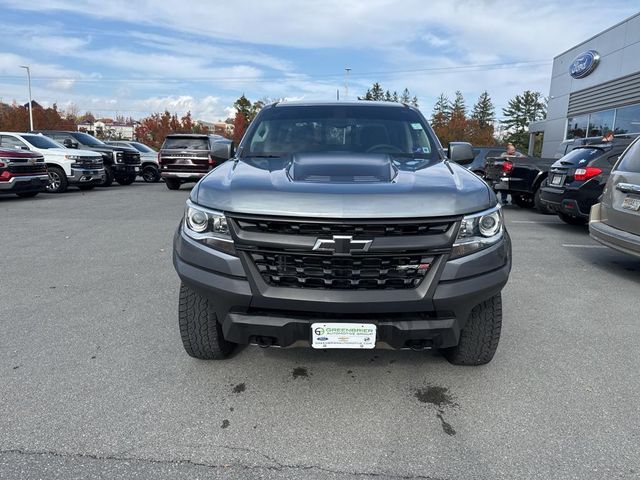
(35, 169)
(365, 229)
(366, 272)
(131, 158)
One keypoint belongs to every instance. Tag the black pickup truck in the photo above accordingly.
(520, 176)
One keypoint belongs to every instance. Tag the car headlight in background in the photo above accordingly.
(208, 227)
(478, 231)
(117, 157)
(75, 158)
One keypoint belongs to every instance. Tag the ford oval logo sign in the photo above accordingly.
(584, 64)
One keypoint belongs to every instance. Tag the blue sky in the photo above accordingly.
(136, 57)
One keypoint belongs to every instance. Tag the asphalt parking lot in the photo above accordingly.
(94, 381)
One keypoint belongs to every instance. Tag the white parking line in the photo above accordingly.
(532, 221)
(570, 245)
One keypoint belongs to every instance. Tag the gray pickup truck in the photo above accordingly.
(343, 225)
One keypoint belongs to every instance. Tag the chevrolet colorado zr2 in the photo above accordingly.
(342, 225)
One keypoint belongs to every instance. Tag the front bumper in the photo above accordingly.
(125, 169)
(612, 237)
(25, 183)
(575, 202)
(82, 176)
(432, 314)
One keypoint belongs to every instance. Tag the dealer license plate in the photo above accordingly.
(556, 180)
(631, 203)
(343, 335)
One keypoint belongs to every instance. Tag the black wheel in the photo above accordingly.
(541, 207)
(572, 220)
(199, 328)
(172, 183)
(86, 187)
(151, 174)
(108, 177)
(128, 180)
(524, 201)
(480, 336)
(58, 182)
(27, 194)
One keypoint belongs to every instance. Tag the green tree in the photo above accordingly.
(414, 101)
(405, 97)
(483, 110)
(519, 113)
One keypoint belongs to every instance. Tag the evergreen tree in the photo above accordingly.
(388, 97)
(414, 101)
(458, 107)
(483, 111)
(376, 92)
(441, 112)
(243, 105)
(405, 97)
(519, 113)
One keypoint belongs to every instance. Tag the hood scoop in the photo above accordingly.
(338, 168)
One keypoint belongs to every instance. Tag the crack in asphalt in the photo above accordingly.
(277, 467)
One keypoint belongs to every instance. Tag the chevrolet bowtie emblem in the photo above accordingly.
(342, 245)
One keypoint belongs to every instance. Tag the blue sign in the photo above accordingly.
(584, 64)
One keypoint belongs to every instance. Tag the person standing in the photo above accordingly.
(510, 152)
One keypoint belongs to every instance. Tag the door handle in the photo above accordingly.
(628, 188)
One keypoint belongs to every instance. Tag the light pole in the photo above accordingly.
(30, 102)
(346, 84)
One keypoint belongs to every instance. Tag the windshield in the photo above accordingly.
(40, 141)
(186, 143)
(340, 128)
(87, 139)
(141, 147)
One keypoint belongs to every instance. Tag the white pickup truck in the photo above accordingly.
(82, 168)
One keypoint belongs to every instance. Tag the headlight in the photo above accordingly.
(75, 158)
(208, 227)
(117, 156)
(478, 231)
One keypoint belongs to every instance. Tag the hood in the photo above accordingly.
(15, 153)
(68, 151)
(345, 186)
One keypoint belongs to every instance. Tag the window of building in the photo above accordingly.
(577, 127)
(627, 120)
(600, 122)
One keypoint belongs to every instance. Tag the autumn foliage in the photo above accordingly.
(15, 118)
(153, 129)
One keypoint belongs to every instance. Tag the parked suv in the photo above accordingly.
(22, 172)
(189, 157)
(615, 221)
(343, 225)
(149, 169)
(576, 181)
(80, 168)
(121, 164)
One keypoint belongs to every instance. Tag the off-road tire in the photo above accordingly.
(523, 201)
(572, 220)
(57, 175)
(151, 174)
(541, 207)
(172, 183)
(27, 194)
(199, 328)
(480, 336)
(128, 180)
(108, 177)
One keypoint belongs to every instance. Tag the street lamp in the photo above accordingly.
(30, 102)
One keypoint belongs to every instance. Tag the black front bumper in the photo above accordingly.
(433, 314)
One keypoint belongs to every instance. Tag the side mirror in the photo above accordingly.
(24, 147)
(67, 142)
(222, 150)
(461, 153)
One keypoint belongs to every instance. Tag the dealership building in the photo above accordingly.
(595, 87)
